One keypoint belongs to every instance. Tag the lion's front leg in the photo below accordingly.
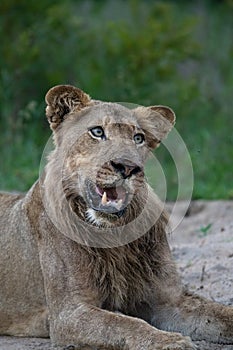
(75, 313)
(100, 329)
(197, 317)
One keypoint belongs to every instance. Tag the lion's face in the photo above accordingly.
(105, 165)
(104, 148)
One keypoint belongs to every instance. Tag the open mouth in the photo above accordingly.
(109, 200)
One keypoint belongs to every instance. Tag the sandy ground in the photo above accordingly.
(203, 248)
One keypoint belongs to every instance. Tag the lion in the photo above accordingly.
(84, 254)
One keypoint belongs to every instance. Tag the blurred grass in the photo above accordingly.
(176, 53)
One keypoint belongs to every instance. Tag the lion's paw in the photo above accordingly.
(184, 344)
(174, 342)
(166, 341)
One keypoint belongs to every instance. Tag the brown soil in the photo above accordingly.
(203, 248)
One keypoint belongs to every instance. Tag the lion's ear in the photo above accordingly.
(62, 100)
(156, 121)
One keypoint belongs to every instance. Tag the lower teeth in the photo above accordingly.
(115, 203)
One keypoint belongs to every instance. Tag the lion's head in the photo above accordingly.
(101, 150)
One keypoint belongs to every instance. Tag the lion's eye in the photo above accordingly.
(97, 132)
(139, 138)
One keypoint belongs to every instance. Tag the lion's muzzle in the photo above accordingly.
(115, 185)
(126, 168)
(109, 200)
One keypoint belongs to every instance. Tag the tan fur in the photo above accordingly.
(90, 277)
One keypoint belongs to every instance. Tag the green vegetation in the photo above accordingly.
(205, 230)
(177, 53)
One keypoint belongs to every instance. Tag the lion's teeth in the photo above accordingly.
(119, 203)
(104, 199)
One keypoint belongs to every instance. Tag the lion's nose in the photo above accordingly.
(126, 168)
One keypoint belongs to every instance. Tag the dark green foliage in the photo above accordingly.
(175, 53)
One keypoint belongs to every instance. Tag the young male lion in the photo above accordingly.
(84, 254)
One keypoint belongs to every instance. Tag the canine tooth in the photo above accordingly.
(104, 198)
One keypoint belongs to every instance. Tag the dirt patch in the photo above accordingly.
(203, 248)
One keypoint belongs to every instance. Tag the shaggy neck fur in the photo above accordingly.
(124, 276)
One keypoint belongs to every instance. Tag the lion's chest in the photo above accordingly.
(122, 280)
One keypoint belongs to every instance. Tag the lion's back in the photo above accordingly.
(21, 281)
(7, 199)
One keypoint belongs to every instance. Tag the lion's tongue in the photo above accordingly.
(113, 196)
